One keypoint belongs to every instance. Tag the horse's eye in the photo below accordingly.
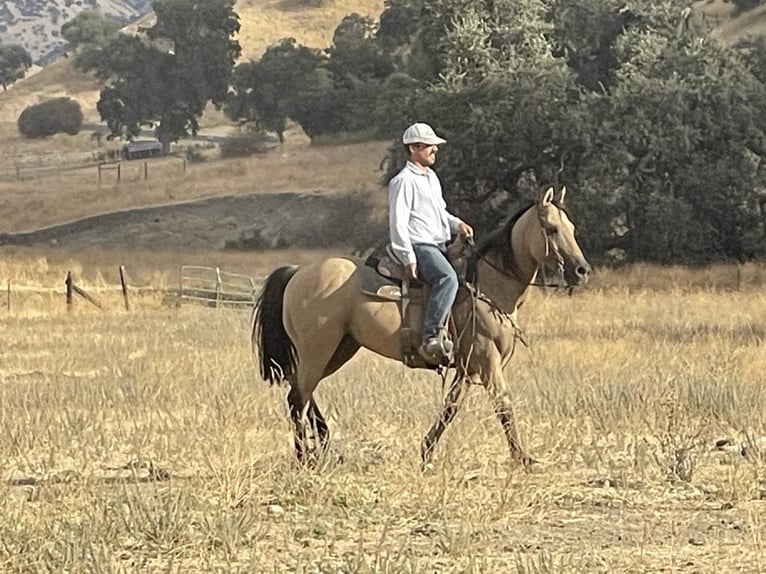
(552, 231)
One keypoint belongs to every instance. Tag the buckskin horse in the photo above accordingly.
(309, 320)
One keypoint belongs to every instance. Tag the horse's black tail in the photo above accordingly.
(276, 351)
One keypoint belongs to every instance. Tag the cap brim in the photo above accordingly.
(427, 141)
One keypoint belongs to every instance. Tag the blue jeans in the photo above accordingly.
(434, 269)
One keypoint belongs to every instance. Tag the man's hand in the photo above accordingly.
(411, 271)
(465, 229)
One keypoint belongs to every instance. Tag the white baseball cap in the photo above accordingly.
(421, 133)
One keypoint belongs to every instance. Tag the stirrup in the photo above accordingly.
(437, 350)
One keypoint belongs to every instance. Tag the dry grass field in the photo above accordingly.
(145, 442)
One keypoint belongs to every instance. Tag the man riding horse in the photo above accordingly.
(310, 320)
(420, 227)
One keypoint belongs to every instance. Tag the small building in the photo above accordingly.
(139, 149)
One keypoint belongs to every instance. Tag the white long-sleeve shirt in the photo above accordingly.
(417, 212)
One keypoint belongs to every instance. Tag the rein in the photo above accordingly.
(507, 270)
(510, 275)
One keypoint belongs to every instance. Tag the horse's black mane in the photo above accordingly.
(500, 238)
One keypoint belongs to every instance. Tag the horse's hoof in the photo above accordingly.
(531, 465)
(427, 468)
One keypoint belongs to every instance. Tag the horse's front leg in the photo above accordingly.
(498, 390)
(451, 405)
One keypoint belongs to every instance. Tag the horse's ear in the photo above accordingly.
(562, 195)
(547, 198)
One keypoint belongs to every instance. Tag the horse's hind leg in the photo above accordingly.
(298, 410)
(451, 405)
(308, 423)
(328, 352)
(317, 424)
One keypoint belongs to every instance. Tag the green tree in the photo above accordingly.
(325, 92)
(585, 34)
(15, 61)
(358, 66)
(679, 138)
(507, 106)
(660, 135)
(355, 51)
(273, 89)
(88, 29)
(167, 79)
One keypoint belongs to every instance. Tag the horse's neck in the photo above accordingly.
(508, 287)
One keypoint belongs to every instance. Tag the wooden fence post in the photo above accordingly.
(124, 284)
(72, 288)
(739, 276)
(146, 170)
(218, 287)
(8, 300)
(86, 296)
(68, 284)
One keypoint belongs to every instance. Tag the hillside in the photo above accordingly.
(749, 24)
(36, 24)
(255, 201)
(263, 22)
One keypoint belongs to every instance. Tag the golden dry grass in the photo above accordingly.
(621, 387)
(46, 198)
(264, 22)
(626, 384)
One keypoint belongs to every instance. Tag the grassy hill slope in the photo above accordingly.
(263, 23)
(749, 24)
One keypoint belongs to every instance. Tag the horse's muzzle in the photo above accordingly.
(578, 273)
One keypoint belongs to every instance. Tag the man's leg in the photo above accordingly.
(434, 269)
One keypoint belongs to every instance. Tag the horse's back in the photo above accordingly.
(327, 275)
(324, 286)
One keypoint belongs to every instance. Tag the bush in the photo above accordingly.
(745, 5)
(245, 146)
(60, 115)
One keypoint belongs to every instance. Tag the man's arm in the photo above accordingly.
(400, 196)
(458, 226)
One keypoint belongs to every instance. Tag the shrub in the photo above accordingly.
(745, 5)
(244, 146)
(60, 115)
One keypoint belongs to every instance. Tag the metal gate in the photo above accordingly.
(212, 287)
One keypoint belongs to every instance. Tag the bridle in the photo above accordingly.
(507, 269)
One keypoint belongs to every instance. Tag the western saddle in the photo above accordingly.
(383, 277)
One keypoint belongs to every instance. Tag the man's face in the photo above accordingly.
(423, 154)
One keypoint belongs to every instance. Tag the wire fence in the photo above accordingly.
(198, 285)
(109, 172)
